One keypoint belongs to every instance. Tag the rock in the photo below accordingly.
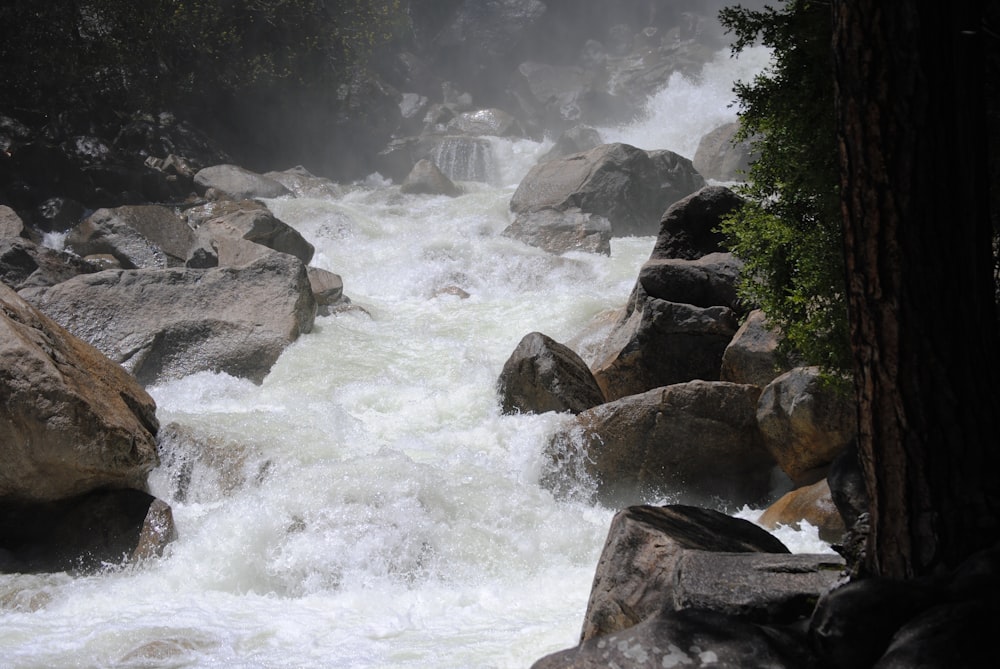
(722, 158)
(327, 288)
(947, 636)
(145, 236)
(628, 186)
(577, 139)
(238, 183)
(72, 421)
(657, 343)
(705, 282)
(562, 231)
(812, 504)
(485, 122)
(806, 422)
(303, 183)
(426, 179)
(847, 485)
(752, 355)
(636, 572)
(23, 264)
(766, 588)
(239, 233)
(168, 323)
(696, 442)
(543, 375)
(853, 625)
(693, 637)
(87, 533)
(557, 97)
(10, 223)
(689, 228)
(58, 214)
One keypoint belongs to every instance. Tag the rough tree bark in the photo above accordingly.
(920, 295)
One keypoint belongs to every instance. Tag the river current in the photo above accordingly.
(367, 505)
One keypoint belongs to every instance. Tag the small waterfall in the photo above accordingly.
(466, 159)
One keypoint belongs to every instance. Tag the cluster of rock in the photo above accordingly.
(681, 401)
(142, 294)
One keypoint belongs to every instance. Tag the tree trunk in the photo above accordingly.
(911, 137)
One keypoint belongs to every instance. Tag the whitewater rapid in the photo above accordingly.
(367, 505)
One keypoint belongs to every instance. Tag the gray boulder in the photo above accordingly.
(705, 282)
(327, 288)
(628, 186)
(562, 231)
(238, 233)
(71, 421)
(543, 375)
(143, 236)
(806, 423)
(658, 343)
(303, 183)
(168, 323)
(696, 442)
(426, 179)
(237, 183)
(752, 356)
(719, 156)
(689, 228)
(638, 567)
(11, 224)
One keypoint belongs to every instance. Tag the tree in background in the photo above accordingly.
(911, 127)
(788, 233)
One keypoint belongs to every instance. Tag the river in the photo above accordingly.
(367, 505)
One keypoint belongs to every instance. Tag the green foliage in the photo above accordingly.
(789, 232)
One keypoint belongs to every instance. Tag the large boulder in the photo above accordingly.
(753, 356)
(543, 375)
(71, 420)
(658, 343)
(562, 231)
(169, 323)
(720, 157)
(637, 570)
(238, 233)
(237, 183)
(143, 236)
(628, 186)
(806, 421)
(696, 442)
(705, 282)
(690, 227)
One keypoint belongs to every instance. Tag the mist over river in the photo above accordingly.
(379, 511)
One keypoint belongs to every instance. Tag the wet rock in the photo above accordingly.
(628, 186)
(237, 183)
(705, 282)
(692, 637)
(426, 179)
(71, 420)
(658, 343)
(303, 183)
(239, 233)
(689, 228)
(10, 223)
(327, 288)
(696, 442)
(24, 264)
(485, 122)
(806, 422)
(636, 573)
(543, 375)
(813, 504)
(168, 323)
(719, 156)
(752, 356)
(562, 231)
(88, 533)
(144, 236)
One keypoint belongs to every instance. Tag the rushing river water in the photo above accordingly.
(376, 509)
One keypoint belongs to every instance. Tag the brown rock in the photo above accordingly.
(812, 504)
